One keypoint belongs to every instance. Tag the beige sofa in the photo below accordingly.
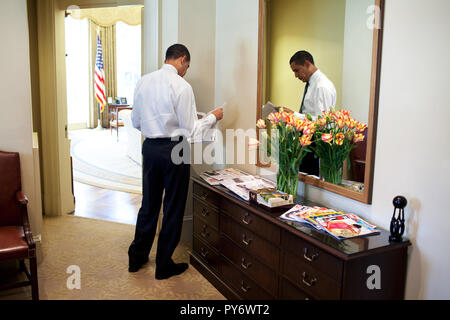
(134, 149)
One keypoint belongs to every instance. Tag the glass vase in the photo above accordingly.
(331, 171)
(287, 178)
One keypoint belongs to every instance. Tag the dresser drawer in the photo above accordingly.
(203, 231)
(206, 213)
(206, 195)
(290, 292)
(207, 254)
(250, 242)
(249, 266)
(308, 279)
(244, 286)
(313, 256)
(262, 227)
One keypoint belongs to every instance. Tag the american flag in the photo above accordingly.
(100, 93)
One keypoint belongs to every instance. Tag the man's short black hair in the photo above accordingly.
(176, 51)
(301, 57)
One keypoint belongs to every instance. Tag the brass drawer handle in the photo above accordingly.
(204, 195)
(245, 219)
(245, 265)
(309, 284)
(245, 241)
(205, 212)
(204, 252)
(204, 233)
(244, 287)
(312, 258)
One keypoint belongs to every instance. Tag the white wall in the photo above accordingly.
(169, 26)
(197, 32)
(15, 89)
(237, 64)
(412, 151)
(150, 36)
(357, 63)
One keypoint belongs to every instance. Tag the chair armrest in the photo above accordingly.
(23, 201)
(21, 198)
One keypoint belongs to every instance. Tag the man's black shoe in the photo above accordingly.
(135, 264)
(170, 271)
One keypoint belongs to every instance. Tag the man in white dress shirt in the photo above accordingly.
(320, 93)
(319, 96)
(164, 111)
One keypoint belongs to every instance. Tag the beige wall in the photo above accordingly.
(55, 147)
(315, 26)
(15, 89)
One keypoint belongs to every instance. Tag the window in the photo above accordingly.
(128, 44)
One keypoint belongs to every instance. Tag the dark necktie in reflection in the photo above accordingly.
(304, 95)
(310, 164)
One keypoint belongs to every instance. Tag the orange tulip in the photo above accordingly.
(358, 138)
(261, 124)
(361, 127)
(328, 138)
(340, 139)
(305, 140)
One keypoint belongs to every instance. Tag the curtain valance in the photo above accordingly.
(106, 17)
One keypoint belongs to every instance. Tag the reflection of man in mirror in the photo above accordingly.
(319, 96)
(320, 93)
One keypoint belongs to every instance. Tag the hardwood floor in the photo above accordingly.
(103, 204)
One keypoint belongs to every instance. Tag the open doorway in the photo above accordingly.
(105, 148)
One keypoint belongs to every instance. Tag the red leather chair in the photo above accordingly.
(16, 239)
(358, 160)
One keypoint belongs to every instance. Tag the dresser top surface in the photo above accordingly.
(345, 249)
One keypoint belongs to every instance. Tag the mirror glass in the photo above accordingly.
(339, 34)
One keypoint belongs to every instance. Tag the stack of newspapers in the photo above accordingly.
(243, 184)
(339, 225)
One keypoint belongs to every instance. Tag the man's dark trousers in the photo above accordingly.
(160, 174)
(310, 165)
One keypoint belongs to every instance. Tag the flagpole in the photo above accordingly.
(99, 121)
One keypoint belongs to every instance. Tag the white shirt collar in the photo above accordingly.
(169, 67)
(315, 76)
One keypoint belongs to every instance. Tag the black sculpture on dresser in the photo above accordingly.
(398, 223)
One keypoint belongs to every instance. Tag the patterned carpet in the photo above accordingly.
(99, 249)
(101, 161)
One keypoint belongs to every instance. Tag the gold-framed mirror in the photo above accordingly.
(345, 38)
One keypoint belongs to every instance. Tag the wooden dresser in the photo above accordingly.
(247, 253)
